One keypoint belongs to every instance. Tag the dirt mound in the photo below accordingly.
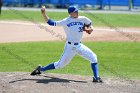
(61, 83)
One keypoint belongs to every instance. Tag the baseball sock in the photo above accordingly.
(48, 67)
(95, 69)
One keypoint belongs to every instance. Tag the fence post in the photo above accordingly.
(109, 3)
(0, 6)
(130, 4)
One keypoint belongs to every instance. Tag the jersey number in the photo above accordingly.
(80, 29)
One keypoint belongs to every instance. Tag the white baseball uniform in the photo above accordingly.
(74, 31)
(73, 45)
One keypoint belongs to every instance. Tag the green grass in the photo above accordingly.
(115, 58)
(118, 20)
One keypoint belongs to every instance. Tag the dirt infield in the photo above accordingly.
(61, 83)
(16, 31)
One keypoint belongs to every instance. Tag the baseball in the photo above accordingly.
(43, 7)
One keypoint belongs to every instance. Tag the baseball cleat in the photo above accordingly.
(36, 71)
(98, 80)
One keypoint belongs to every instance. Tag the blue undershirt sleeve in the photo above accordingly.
(51, 22)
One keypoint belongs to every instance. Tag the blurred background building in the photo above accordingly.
(83, 4)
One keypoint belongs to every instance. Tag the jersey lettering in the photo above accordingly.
(74, 23)
(80, 29)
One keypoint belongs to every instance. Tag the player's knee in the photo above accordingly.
(58, 65)
(94, 59)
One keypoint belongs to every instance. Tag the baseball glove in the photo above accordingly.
(87, 29)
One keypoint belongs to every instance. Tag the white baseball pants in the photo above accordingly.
(70, 50)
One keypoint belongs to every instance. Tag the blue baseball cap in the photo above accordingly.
(72, 9)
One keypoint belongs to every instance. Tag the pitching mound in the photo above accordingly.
(60, 83)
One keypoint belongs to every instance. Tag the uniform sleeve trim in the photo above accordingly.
(51, 22)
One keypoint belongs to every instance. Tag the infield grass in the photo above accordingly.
(117, 20)
(115, 58)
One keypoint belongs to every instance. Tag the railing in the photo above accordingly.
(109, 3)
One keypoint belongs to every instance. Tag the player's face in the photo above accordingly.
(74, 14)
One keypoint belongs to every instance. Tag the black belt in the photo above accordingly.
(73, 43)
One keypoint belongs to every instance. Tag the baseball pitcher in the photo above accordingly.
(73, 25)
